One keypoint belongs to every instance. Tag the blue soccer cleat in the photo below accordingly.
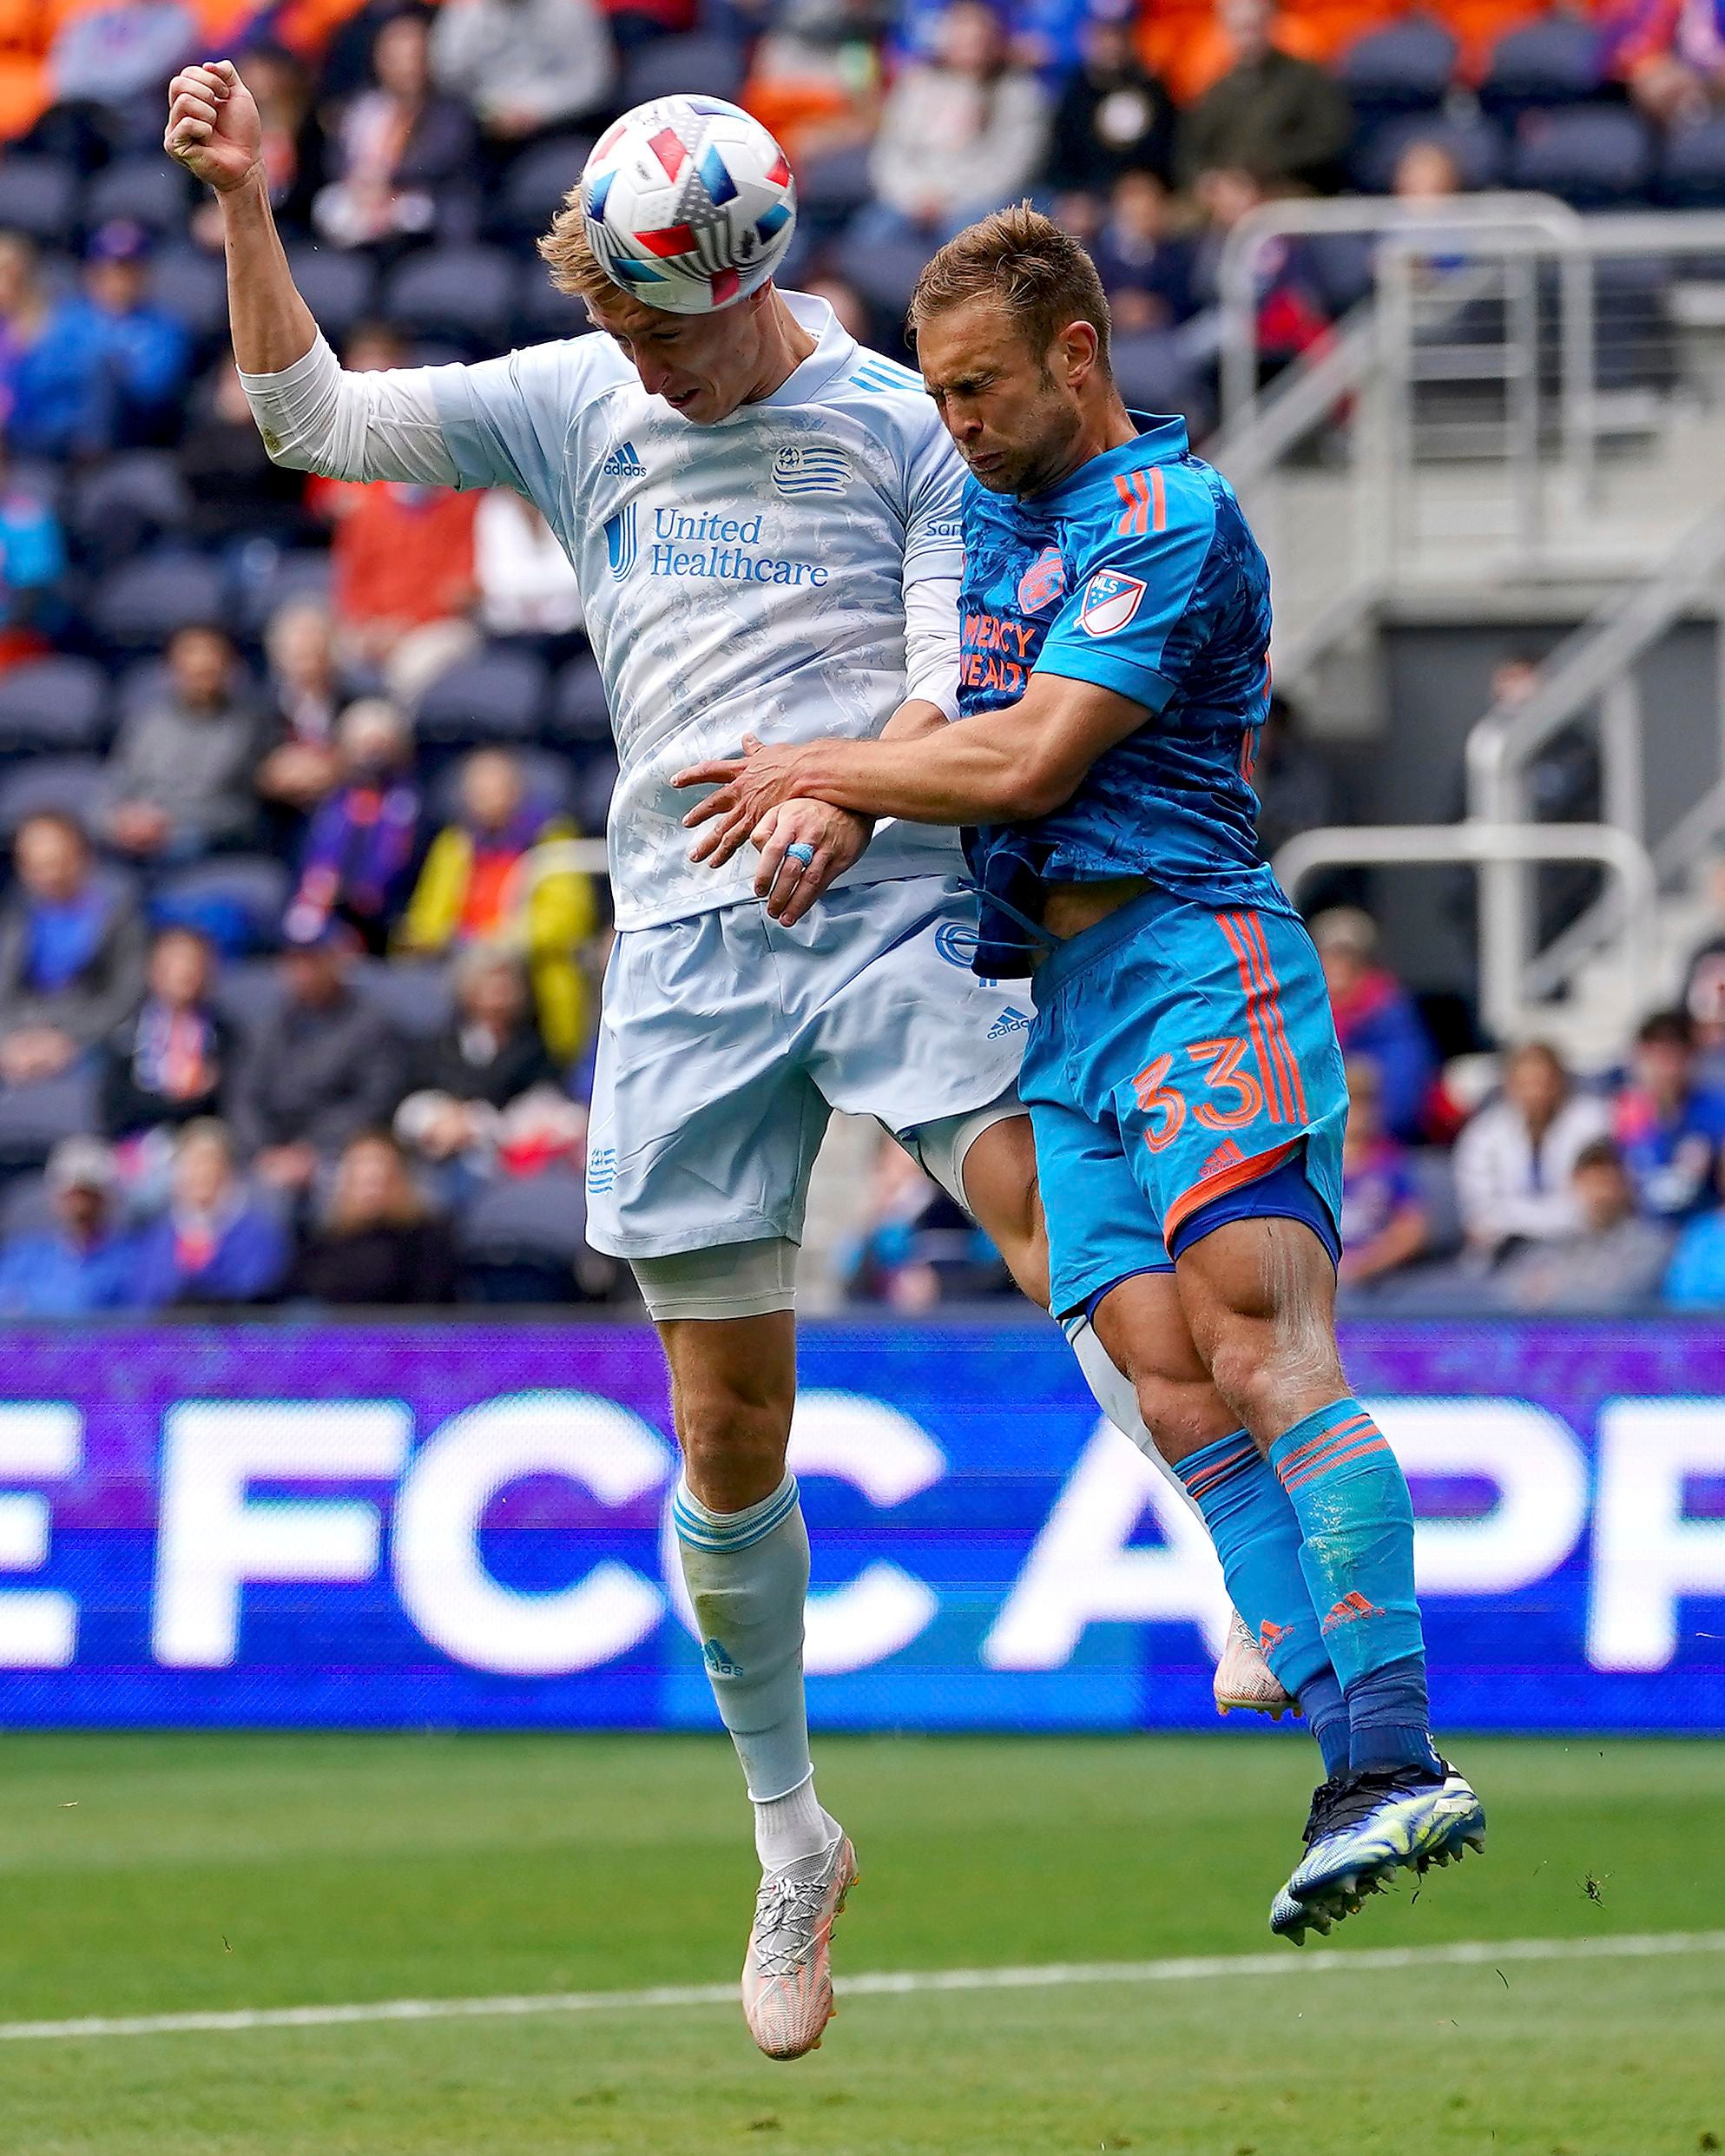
(1364, 1828)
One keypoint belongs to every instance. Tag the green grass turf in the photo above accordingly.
(160, 1874)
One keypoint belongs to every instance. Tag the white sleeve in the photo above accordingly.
(934, 490)
(932, 641)
(314, 417)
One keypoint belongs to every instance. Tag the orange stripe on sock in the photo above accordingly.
(1323, 1467)
(1326, 1438)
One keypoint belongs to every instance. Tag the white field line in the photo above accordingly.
(1050, 1976)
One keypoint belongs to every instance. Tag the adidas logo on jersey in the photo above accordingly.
(1011, 1021)
(623, 464)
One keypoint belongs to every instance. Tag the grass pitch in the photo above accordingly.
(151, 1874)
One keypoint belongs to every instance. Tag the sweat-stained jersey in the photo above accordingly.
(1139, 573)
(746, 577)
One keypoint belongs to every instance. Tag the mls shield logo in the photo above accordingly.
(1110, 601)
(1043, 582)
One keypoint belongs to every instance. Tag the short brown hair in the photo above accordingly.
(1038, 272)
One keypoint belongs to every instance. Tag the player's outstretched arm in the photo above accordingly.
(999, 766)
(214, 131)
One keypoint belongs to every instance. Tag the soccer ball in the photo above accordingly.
(689, 203)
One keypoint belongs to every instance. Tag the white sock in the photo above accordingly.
(747, 1577)
(791, 1826)
(1117, 1397)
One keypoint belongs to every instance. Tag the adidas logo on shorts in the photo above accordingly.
(1011, 1021)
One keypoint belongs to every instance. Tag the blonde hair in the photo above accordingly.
(574, 268)
(1037, 272)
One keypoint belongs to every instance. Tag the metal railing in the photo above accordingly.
(1504, 1004)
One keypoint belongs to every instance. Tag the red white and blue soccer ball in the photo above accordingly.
(689, 203)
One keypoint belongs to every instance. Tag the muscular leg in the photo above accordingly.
(745, 1557)
(1259, 1296)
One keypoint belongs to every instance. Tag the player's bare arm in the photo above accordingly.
(998, 767)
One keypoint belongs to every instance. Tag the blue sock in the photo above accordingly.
(1356, 1551)
(1257, 1538)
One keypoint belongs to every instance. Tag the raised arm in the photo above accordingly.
(312, 416)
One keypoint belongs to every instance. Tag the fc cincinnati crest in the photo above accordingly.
(1110, 601)
(1043, 582)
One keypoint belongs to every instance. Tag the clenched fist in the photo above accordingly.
(213, 125)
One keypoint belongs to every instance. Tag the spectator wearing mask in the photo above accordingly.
(1145, 265)
(1614, 1260)
(109, 368)
(1515, 1161)
(214, 1243)
(305, 695)
(486, 1093)
(524, 66)
(167, 1065)
(32, 562)
(381, 1247)
(71, 953)
(397, 147)
(85, 1263)
(483, 881)
(1385, 1226)
(326, 1065)
(1671, 1128)
(180, 782)
(357, 864)
(959, 135)
(1376, 1018)
(1280, 118)
(1113, 116)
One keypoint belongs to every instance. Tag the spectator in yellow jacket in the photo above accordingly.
(486, 879)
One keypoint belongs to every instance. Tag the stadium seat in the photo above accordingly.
(35, 1118)
(291, 573)
(542, 312)
(339, 289)
(495, 696)
(831, 187)
(535, 186)
(139, 606)
(1551, 62)
(56, 706)
(1634, 335)
(1477, 148)
(1152, 371)
(698, 62)
(192, 287)
(1594, 156)
(885, 273)
(1405, 68)
(550, 781)
(579, 711)
(237, 901)
(39, 196)
(153, 190)
(417, 998)
(1340, 265)
(1692, 172)
(464, 293)
(121, 505)
(71, 784)
(522, 1237)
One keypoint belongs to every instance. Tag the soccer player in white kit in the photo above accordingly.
(764, 520)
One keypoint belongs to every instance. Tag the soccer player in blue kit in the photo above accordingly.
(1182, 1074)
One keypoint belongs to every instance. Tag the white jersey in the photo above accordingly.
(745, 577)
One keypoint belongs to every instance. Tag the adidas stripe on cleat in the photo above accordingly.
(1244, 1678)
(1362, 1830)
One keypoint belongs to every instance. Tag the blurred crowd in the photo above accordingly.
(297, 969)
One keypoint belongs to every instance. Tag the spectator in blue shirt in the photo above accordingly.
(216, 1242)
(32, 557)
(84, 1262)
(1145, 265)
(109, 370)
(1376, 1018)
(1383, 1223)
(1668, 1126)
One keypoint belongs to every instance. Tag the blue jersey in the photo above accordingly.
(1139, 573)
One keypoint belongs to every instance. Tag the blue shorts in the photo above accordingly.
(1181, 1055)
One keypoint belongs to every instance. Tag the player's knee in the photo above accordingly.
(1181, 1414)
(1264, 1388)
(733, 1453)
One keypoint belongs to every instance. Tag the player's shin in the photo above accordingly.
(747, 1578)
(1258, 1539)
(1356, 1520)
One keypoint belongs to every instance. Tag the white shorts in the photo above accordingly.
(726, 1040)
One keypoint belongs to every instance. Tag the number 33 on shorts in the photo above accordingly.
(1164, 1105)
